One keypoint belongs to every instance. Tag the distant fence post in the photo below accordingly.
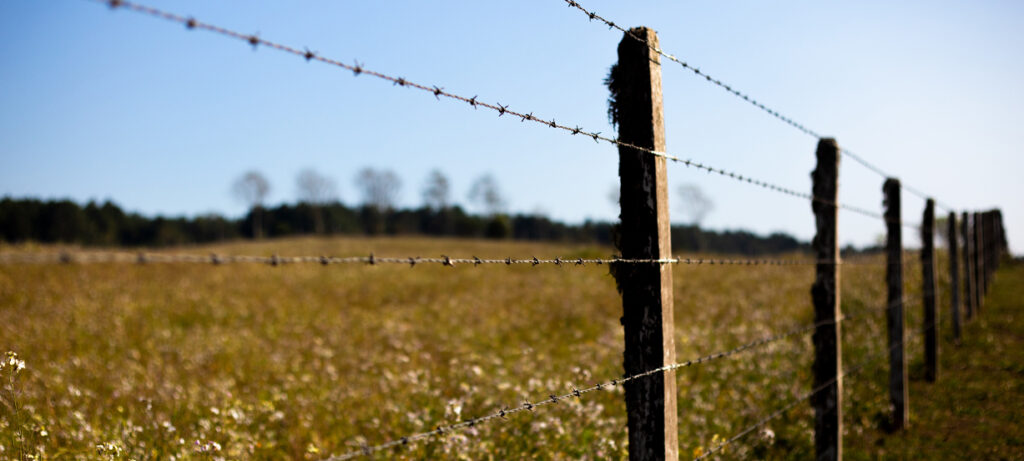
(647, 316)
(828, 363)
(979, 255)
(954, 273)
(989, 248)
(969, 297)
(898, 390)
(931, 342)
(983, 250)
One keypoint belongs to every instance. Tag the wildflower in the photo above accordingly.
(11, 360)
(718, 442)
(208, 447)
(111, 449)
(312, 449)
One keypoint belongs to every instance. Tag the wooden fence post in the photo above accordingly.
(983, 250)
(828, 363)
(965, 227)
(647, 316)
(1000, 235)
(954, 273)
(989, 223)
(979, 254)
(931, 343)
(898, 389)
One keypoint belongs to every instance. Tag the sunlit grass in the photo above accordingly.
(195, 361)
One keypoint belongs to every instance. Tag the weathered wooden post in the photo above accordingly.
(990, 248)
(931, 342)
(828, 363)
(979, 266)
(983, 250)
(969, 299)
(898, 389)
(954, 273)
(647, 316)
(1000, 237)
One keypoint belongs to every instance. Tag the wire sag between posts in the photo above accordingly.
(553, 398)
(754, 102)
(439, 92)
(803, 397)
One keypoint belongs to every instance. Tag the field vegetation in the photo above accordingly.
(247, 361)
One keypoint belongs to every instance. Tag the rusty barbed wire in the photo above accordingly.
(277, 260)
(554, 398)
(848, 372)
(754, 102)
(359, 69)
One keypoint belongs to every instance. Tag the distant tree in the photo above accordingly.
(941, 223)
(436, 191)
(252, 189)
(379, 188)
(613, 196)
(485, 194)
(316, 191)
(694, 203)
(314, 188)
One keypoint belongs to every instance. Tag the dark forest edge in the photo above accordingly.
(106, 224)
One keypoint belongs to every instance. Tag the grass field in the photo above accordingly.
(195, 361)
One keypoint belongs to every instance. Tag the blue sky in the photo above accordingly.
(101, 104)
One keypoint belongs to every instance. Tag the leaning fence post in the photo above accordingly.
(828, 364)
(965, 229)
(647, 317)
(931, 343)
(954, 273)
(898, 390)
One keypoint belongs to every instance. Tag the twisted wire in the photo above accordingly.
(439, 92)
(575, 393)
(276, 260)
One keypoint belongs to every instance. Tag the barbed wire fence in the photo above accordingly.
(983, 245)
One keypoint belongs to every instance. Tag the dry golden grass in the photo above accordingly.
(163, 361)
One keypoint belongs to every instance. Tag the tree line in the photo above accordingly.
(319, 211)
(106, 224)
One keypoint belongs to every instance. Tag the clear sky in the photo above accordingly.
(101, 104)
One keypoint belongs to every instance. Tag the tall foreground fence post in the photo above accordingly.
(647, 317)
(965, 228)
(954, 273)
(828, 402)
(898, 391)
(931, 335)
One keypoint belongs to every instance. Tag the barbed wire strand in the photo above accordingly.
(754, 102)
(575, 393)
(849, 372)
(276, 260)
(882, 173)
(439, 92)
